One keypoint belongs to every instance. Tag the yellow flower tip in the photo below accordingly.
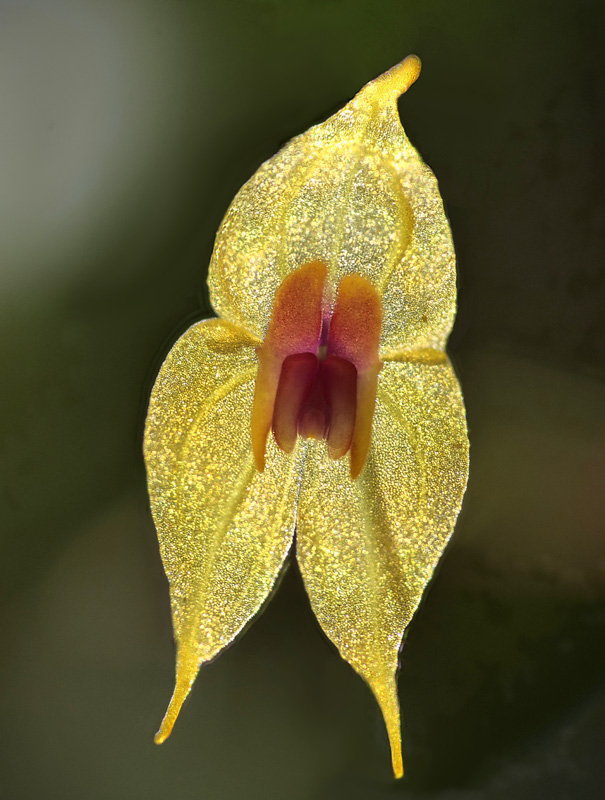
(167, 723)
(395, 742)
(162, 734)
(398, 765)
(185, 676)
(400, 77)
(386, 695)
(395, 81)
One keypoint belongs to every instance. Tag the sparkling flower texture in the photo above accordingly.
(320, 402)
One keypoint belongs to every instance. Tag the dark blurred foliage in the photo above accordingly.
(126, 128)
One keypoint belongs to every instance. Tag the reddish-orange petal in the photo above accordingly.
(295, 327)
(265, 388)
(340, 388)
(367, 383)
(356, 322)
(354, 335)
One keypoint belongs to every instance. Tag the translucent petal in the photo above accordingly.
(224, 528)
(368, 547)
(354, 193)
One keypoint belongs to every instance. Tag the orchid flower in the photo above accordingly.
(319, 403)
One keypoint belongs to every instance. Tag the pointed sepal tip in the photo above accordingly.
(395, 81)
(386, 695)
(185, 677)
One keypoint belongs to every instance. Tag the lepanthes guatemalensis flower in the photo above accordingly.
(320, 402)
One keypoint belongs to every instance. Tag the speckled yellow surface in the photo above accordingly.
(353, 193)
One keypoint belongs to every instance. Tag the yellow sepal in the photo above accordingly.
(224, 528)
(355, 194)
(368, 547)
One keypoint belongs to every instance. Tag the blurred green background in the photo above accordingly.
(126, 127)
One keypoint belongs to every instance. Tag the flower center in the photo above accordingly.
(316, 398)
(318, 373)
